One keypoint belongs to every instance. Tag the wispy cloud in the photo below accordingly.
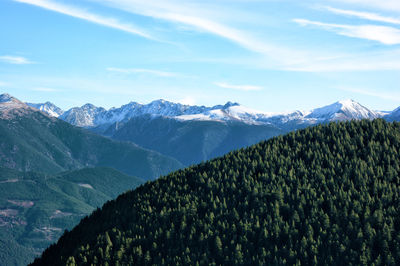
(238, 87)
(145, 71)
(88, 16)
(43, 89)
(363, 15)
(382, 34)
(382, 95)
(16, 60)
(365, 61)
(203, 18)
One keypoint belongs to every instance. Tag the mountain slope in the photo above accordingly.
(190, 141)
(326, 195)
(31, 140)
(394, 115)
(36, 208)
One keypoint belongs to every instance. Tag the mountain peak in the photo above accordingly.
(343, 110)
(162, 102)
(5, 97)
(88, 106)
(48, 108)
(230, 104)
(11, 107)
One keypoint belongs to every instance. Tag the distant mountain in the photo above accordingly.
(91, 116)
(34, 141)
(84, 116)
(48, 108)
(193, 138)
(189, 141)
(394, 116)
(36, 208)
(343, 110)
(192, 134)
(325, 195)
(11, 107)
(5, 97)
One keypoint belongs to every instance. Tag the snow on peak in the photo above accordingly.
(342, 110)
(83, 116)
(48, 108)
(5, 97)
(89, 115)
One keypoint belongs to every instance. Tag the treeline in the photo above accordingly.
(326, 195)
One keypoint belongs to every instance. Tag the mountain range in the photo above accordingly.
(90, 116)
(192, 134)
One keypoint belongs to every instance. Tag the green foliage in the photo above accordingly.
(36, 208)
(327, 195)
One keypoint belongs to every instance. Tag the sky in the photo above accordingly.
(269, 55)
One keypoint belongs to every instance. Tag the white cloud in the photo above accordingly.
(363, 15)
(85, 15)
(43, 89)
(145, 71)
(238, 87)
(16, 60)
(382, 34)
(382, 95)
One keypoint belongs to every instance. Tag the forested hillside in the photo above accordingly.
(36, 208)
(326, 195)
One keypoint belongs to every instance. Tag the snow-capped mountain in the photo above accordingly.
(84, 116)
(156, 108)
(342, 110)
(89, 115)
(48, 108)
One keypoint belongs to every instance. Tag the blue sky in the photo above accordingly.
(271, 55)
